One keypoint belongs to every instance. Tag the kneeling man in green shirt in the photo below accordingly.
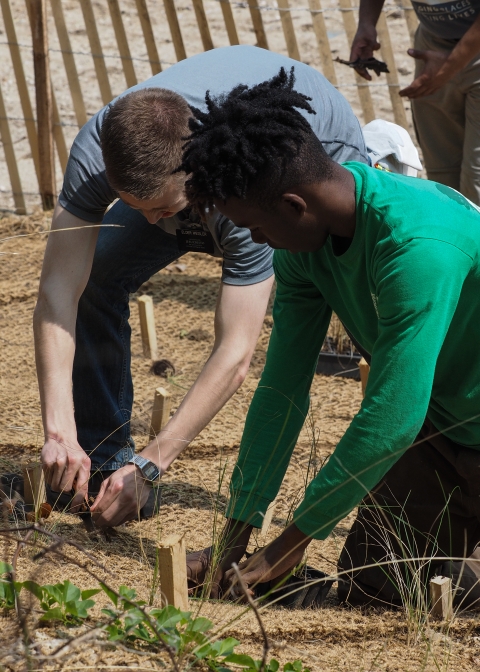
(398, 260)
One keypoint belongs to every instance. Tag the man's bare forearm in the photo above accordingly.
(238, 320)
(219, 379)
(54, 352)
(65, 272)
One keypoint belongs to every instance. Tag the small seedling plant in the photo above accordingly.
(63, 602)
(189, 638)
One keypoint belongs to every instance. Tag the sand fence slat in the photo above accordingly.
(57, 126)
(69, 62)
(175, 31)
(21, 80)
(288, 29)
(411, 19)
(123, 48)
(10, 159)
(43, 90)
(324, 50)
(258, 26)
(229, 22)
(392, 77)
(59, 137)
(96, 49)
(149, 37)
(203, 24)
(363, 90)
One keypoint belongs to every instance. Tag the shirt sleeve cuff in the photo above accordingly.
(87, 216)
(248, 508)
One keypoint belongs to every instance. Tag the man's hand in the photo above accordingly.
(364, 44)
(121, 497)
(273, 562)
(66, 467)
(232, 547)
(433, 76)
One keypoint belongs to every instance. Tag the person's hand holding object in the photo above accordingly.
(66, 467)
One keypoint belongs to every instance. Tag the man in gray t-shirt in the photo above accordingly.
(87, 434)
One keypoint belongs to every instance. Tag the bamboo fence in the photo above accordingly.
(61, 60)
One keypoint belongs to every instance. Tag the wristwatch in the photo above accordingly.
(150, 471)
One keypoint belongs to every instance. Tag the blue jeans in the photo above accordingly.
(124, 259)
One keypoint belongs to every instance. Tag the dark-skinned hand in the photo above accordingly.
(275, 561)
(364, 44)
(433, 75)
(235, 538)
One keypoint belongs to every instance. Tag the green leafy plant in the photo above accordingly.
(186, 636)
(62, 601)
(8, 589)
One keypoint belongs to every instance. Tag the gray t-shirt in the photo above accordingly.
(448, 20)
(87, 194)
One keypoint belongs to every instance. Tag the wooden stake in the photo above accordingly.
(123, 48)
(69, 62)
(288, 29)
(34, 486)
(392, 77)
(172, 560)
(364, 371)
(203, 24)
(267, 519)
(229, 22)
(258, 26)
(96, 48)
(43, 91)
(174, 26)
(11, 160)
(411, 19)
(147, 326)
(147, 29)
(441, 596)
(362, 86)
(21, 83)
(161, 411)
(320, 29)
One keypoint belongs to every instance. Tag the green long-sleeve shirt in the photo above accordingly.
(408, 289)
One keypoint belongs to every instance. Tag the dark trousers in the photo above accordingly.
(427, 506)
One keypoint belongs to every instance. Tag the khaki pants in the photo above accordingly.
(447, 124)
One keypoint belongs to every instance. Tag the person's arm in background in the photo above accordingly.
(441, 66)
(238, 320)
(365, 41)
(65, 272)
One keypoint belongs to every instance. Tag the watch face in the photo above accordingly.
(150, 471)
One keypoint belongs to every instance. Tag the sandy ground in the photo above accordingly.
(303, 26)
(194, 492)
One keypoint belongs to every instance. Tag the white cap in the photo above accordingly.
(391, 146)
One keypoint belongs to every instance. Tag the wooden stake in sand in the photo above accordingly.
(161, 411)
(364, 371)
(147, 326)
(267, 519)
(43, 90)
(441, 596)
(172, 560)
(34, 486)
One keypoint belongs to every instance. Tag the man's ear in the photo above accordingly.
(296, 202)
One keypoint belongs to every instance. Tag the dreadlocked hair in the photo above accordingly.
(252, 140)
